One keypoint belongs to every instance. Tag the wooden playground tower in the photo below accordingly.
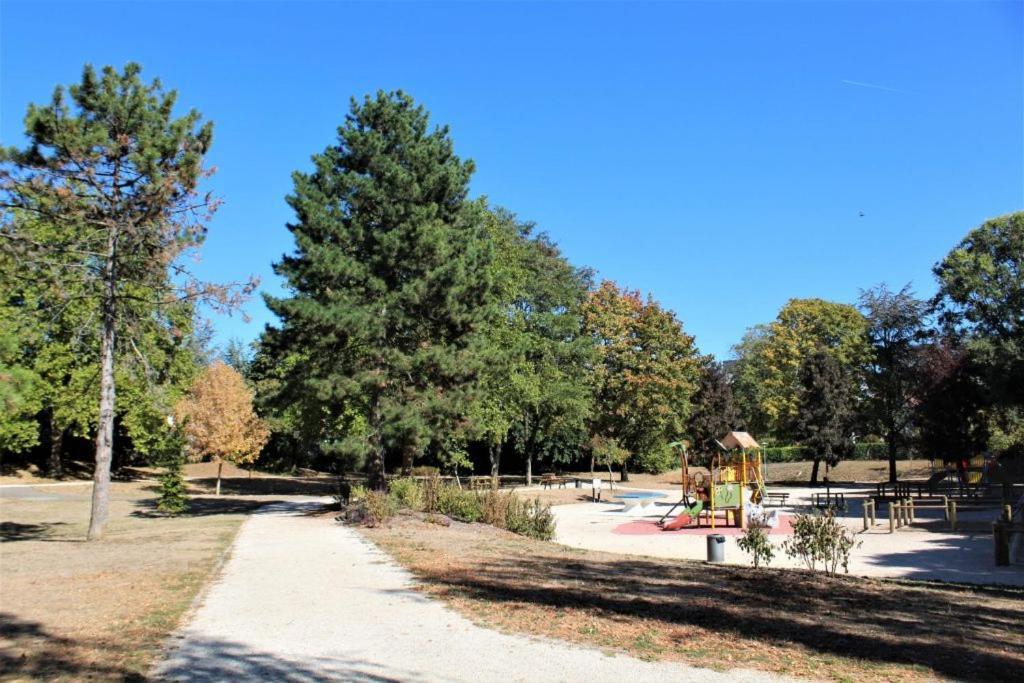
(733, 471)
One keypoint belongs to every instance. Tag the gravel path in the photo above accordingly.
(304, 599)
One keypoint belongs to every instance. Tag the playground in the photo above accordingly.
(937, 528)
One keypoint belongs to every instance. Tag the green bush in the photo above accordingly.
(755, 543)
(407, 493)
(425, 471)
(173, 499)
(506, 510)
(464, 506)
(821, 539)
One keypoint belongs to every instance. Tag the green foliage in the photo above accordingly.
(407, 493)
(646, 373)
(821, 540)
(827, 409)
(173, 498)
(768, 360)
(981, 305)
(755, 543)
(715, 411)
(657, 461)
(390, 281)
(895, 329)
(867, 450)
(173, 492)
(530, 518)
(465, 506)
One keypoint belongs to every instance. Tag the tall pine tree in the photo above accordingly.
(390, 280)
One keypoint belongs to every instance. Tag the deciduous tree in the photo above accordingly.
(218, 419)
(827, 409)
(646, 372)
(895, 328)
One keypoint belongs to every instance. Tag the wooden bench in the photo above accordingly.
(549, 480)
(775, 499)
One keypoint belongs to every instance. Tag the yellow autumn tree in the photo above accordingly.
(218, 418)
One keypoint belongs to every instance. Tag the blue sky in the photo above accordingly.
(715, 155)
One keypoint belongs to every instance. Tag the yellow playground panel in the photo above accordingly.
(734, 471)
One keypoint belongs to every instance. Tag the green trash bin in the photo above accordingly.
(716, 548)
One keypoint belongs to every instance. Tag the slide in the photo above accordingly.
(685, 518)
(935, 479)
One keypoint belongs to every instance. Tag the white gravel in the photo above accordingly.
(304, 599)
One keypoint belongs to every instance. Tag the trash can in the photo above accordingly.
(716, 548)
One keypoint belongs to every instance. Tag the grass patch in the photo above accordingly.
(73, 610)
(786, 621)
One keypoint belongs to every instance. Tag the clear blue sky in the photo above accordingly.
(715, 155)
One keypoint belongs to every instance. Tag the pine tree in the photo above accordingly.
(116, 176)
(390, 280)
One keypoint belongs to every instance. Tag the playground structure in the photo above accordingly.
(735, 485)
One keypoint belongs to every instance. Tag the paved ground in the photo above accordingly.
(304, 599)
(913, 553)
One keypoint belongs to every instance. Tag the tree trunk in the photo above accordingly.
(529, 470)
(814, 471)
(890, 444)
(591, 465)
(624, 473)
(55, 466)
(377, 480)
(105, 429)
(408, 454)
(220, 467)
(495, 454)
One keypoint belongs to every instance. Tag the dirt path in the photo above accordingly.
(304, 599)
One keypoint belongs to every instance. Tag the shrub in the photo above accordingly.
(173, 498)
(755, 543)
(821, 539)
(425, 471)
(357, 493)
(531, 518)
(464, 506)
(378, 507)
(430, 490)
(407, 493)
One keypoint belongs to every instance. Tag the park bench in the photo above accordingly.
(830, 500)
(549, 480)
(775, 499)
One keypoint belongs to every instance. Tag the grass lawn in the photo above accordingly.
(71, 610)
(725, 617)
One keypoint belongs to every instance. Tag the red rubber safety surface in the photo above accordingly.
(649, 527)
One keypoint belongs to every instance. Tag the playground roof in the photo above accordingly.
(739, 440)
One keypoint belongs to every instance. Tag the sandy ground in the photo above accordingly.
(304, 599)
(927, 551)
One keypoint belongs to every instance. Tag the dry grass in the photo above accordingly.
(73, 610)
(791, 622)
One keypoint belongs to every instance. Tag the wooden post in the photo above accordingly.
(945, 508)
(892, 516)
(874, 513)
(1008, 513)
(952, 515)
(1001, 542)
(866, 527)
(910, 510)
